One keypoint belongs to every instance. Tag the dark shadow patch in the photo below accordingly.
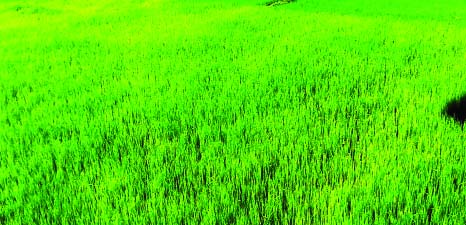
(456, 109)
(278, 2)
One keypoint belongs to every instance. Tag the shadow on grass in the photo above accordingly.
(456, 109)
(278, 2)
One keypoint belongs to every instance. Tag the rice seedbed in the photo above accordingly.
(175, 112)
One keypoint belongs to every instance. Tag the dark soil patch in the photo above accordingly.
(456, 109)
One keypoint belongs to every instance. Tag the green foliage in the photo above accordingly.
(175, 112)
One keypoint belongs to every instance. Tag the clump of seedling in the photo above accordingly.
(456, 109)
(278, 2)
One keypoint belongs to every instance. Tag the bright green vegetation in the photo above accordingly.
(175, 112)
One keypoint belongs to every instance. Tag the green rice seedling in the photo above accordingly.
(178, 112)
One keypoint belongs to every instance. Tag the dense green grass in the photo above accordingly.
(182, 112)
